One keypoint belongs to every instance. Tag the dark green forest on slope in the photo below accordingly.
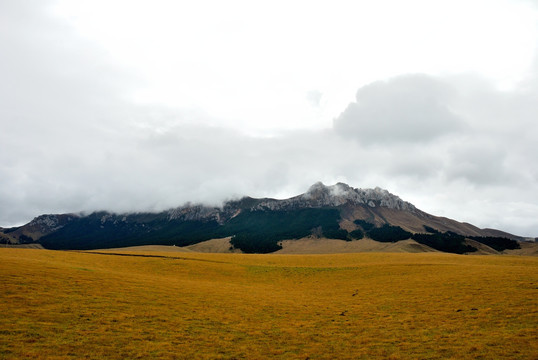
(251, 231)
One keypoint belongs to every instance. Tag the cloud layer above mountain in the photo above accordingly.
(73, 140)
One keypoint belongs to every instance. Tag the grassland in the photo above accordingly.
(73, 305)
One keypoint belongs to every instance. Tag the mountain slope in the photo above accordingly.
(261, 225)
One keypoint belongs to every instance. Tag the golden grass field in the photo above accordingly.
(78, 305)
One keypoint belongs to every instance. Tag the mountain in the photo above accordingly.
(261, 225)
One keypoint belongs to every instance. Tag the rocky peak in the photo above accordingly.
(319, 191)
(317, 188)
(320, 195)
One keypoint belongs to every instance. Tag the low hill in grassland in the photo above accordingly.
(312, 245)
(308, 245)
(481, 249)
(214, 246)
(332, 246)
(209, 246)
(527, 248)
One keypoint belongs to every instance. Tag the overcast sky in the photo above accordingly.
(144, 105)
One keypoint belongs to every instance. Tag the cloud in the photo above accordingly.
(314, 97)
(70, 140)
(478, 162)
(405, 109)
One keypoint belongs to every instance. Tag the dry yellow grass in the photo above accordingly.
(73, 305)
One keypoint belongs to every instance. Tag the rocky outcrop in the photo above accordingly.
(38, 227)
(189, 212)
(45, 224)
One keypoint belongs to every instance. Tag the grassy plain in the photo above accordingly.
(75, 305)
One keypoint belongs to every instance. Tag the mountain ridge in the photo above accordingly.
(337, 211)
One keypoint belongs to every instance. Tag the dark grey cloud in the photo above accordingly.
(408, 109)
